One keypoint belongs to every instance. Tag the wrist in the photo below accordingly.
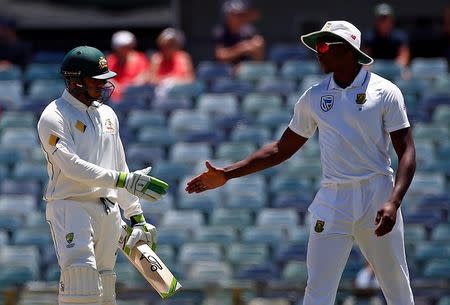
(121, 179)
(135, 219)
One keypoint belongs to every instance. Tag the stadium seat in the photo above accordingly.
(12, 93)
(173, 236)
(430, 132)
(190, 153)
(155, 136)
(251, 134)
(4, 172)
(281, 52)
(246, 193)
(191, 90)
(299, 201)
(254, 103)
(46, 89)
(231, 217)
(386, 68)
(290, 251)
(39, 237)
(235, 86)
(188, 219)
(10, 73)
(308, 81)
(209, 273)
(429, 102)
(428, 183)
(48, 57)
(298, 235)
(4, 239)
(223, 235)
(207, 70)
(199, 252)
(155, 210)
(438, 269)
(428, 68)
(281, 218)
(30, 170)
(445, 300)
(9, 223)
(19, 137)
(171, 171)
(234, 151)
(140, 155)
(168, 104)
(138, 92)
(258, 272)
(11, 155)
(414, 233)
(272, 236)
(441, 233)
(275, 85)
(297, 69)
(285, 184)
(273, 118)
(295, 271)
(17, 205)
(205, 202)
(250, 70)
(39, 71)
(19, 264)
(137, 119)
(217, 104)
(432, 250)
(441, 116)
(242, 253)
(183, 122)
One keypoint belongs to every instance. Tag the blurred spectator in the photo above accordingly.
(365, 279)
(445, 36)
(385, 41)
(126, 61)
(170, 65)
(13, 50)
(236, 39)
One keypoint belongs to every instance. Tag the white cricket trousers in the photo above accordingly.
(85, 237)
(341, 215)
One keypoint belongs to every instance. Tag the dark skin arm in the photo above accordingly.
(270, 155)
(404, 147)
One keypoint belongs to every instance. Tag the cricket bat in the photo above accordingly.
(149, 265)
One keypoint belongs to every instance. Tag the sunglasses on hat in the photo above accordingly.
(323, 47)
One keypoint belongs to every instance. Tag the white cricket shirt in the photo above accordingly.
(84, 152)
(354, 125)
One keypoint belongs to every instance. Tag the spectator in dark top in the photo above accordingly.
(236, 39)
(445, 36)
(385, 41)
(13, 50)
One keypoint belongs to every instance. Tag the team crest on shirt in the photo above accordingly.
(361, 98)
(109, 126)
(69, 238)
(326, 102)
(320, 224)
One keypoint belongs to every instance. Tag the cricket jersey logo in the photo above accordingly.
(109, 126)
(320, 224)
(326, 102)
(154, 263)
(69, 238)
(361, 98)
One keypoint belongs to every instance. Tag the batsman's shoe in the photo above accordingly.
(143, 186)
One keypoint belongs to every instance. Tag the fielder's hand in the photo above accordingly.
(210, 179)
(140, 230)
(140, 184)
(386, 218)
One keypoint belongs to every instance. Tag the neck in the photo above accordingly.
(345, 77)
(82, 97)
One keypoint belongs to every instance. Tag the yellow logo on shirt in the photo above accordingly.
(80, 126)
(53, 140)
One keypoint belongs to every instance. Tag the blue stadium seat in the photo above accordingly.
(295, 271)
(19, 264)
(290, 251)
(39, 71)
(246, 193)
(297, 69)
(428, 183)
(239, 87)
(415, 233)
(191, 90)
(231, 217)
(190, 153)
(441, 116)
(431, 101)
(430, 132)
(428, 68)
(251, 70)
(171, 171)
(52, 273)
(276, 85)
(17, 205)
(261, 272)
(4, 172)
(11, 73)
(217, 104)
(19, 137)
(298, 235)
(437, 269)
(308, 81)
(272, 236)
(4, 239)
(11, 186)
(155, 136)
(284, 184)
(168, 104)
(173, 236)
(209, 273)
(273, 118)
(445, 300)
(12, 93)
(432, 250)
(223, 235)
(139, 118)
(386, 68)
(199, 252)
(187, 219)
(141, 155)
(182, 122)
(252, 134)
(254, 103)
(281, 52)
(441, 233)
(46, 89)
(153, 211)
(9, 223)
(138, 92)
(48, 57)
(242, 253)
(205, 202)
(40, 238)
(234, 151)
(281, 218)
(207, 70)
(30, 170)
(428, 218)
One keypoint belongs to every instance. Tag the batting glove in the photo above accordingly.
(140, 184)
(140, 231)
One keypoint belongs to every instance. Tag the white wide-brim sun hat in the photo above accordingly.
(340, 29)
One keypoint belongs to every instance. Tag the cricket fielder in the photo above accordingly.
(88, 180)
(357, 114)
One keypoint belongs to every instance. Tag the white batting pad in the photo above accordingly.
(80, 285)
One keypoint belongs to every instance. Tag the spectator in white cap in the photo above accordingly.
(385, 41)
(170, 65)
(126, 61)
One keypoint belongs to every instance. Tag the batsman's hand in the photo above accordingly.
(212, 178)
(386, 218)
(140, 231)
(143, 186)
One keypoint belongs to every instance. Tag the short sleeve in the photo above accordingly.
(395, 116)
(302, 122)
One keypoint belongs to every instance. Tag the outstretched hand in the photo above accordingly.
(212, 178)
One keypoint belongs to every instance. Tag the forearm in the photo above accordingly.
(268, 156)
(405, 174)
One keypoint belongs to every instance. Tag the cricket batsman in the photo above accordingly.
(88, 181)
